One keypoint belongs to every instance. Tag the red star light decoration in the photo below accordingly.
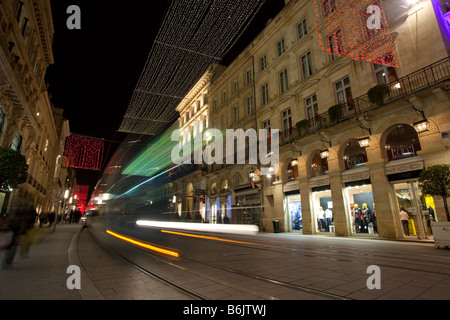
(357, 29)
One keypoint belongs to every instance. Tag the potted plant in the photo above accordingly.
(335, 112)
(13, 168)
(377, 94)
(435, 181)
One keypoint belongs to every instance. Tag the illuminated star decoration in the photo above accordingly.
(194, 36)
(81, 192)
(83, 152)
(356, 29)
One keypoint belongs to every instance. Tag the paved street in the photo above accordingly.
(290, 266)
(253, 269)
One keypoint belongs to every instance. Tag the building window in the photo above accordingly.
(248, 104)
(445, 5)
(214, 105)
(328, 6)
(335, 44)
(281, 47)
(19, 11)
(312, 110)
(262, 63)
(266, 126)
(284, 86)
(344, 92)
(224, 96)
(384, 74)
(248, 76)
(236, 114)
(302, 29)
(235, 87)
(2, 121)
(24, 26)
(287, 123)
(307, 65)
(17, 142)
(264, 94)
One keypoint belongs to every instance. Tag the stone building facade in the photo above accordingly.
(27, 116)
(345, 170)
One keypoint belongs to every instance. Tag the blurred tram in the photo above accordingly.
(138, 180)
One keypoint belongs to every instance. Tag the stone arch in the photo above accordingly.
(407, 139)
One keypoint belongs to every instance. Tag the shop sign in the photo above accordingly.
(200, 192)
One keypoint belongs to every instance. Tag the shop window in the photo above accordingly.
(323, 209)
(292, 170)
(354, 155)
(362, 207)
(402, 142)
(319, 166)
(293, 207)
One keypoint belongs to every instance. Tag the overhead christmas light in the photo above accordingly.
(193, 37)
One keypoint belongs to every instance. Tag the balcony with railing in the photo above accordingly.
(426, 77)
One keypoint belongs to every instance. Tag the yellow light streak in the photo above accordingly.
(143, 244)
(206, 237)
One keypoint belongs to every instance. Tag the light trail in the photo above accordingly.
(205, 227)
(206, 237)
(143, 244)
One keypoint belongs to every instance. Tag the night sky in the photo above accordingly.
(96, 68)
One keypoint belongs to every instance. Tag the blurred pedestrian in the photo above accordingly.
(20, 222)
(42, 219)
(404, 218)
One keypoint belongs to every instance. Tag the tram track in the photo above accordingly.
(354, 255)
(179, 265)
(208, 271)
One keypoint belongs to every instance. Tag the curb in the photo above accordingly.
(88, 290)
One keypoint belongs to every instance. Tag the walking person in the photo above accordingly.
(404, 218)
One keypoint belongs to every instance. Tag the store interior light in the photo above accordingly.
(324, 154)
(364, 142)
(294, 163)
(422, 126)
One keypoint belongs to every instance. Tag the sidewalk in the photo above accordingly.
(42, 275)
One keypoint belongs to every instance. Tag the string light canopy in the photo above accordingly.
(357, 29)
(194, 36)
(83, 152)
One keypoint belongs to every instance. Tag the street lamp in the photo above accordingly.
(324, 154)
(364, 142)
(422, 125)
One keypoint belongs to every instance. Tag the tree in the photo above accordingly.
(13, 168)
(435, 181)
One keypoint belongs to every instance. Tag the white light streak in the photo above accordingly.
(205, 227)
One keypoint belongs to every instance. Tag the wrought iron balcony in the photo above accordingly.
(426, 77)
